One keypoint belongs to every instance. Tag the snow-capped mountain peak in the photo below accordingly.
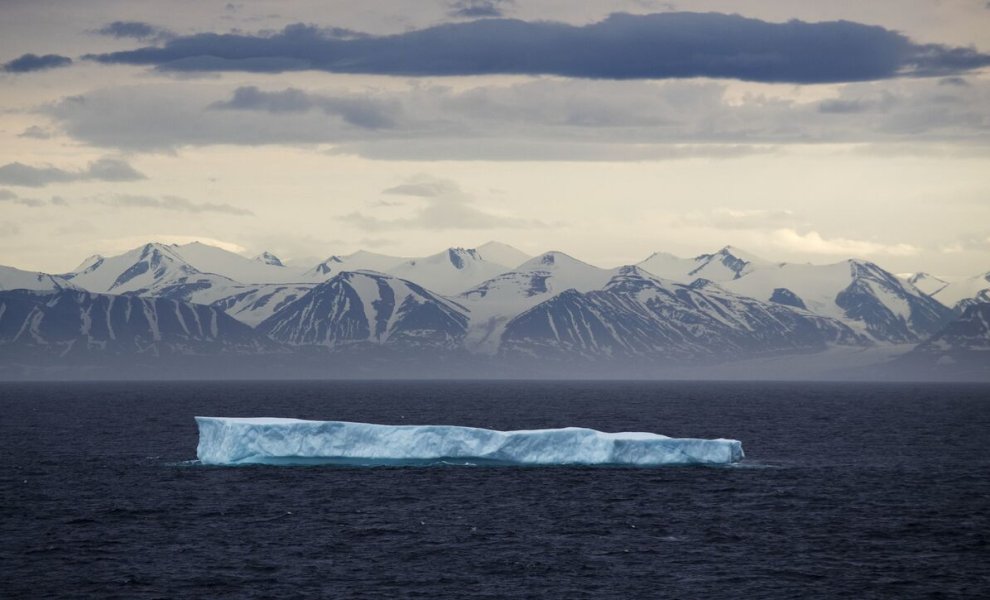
(726, 264)
(136, 270)
(90, 263)
(457, 256)
(268, 258)
(16, 279)
(502, 254)
(637, 317)
(357, 261)
(857, 292)
(369, 307)
(723, 265)
(449, 272)
(495, 301)
(925, 282)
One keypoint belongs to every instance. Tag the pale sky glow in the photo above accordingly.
(307, 162)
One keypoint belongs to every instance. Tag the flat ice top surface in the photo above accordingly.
(626, 435)
(272, 440)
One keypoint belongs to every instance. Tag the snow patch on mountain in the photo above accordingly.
(16, 279)
(857, 292)
(449, 272)
(372, 308)
(358, 261)
(268, 258)
(637, 316)
(503, 254)
(252, 304)
(494, 302)
(965, 292)
(959, 352)
(266, 268)
(725, 265)
(928, 284)
(66, 322)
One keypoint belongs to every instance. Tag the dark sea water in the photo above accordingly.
(848, 491)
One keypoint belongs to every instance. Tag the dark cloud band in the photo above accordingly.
(32, 62)
(137, 30)
(623, 46)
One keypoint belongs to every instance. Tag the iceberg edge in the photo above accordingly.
(266, 440)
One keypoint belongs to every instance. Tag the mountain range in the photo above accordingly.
(490, 309)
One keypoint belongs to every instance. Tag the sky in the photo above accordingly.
(800, 131)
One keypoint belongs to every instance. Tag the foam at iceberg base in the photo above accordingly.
(234, 441)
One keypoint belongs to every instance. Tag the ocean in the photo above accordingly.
(847, 491)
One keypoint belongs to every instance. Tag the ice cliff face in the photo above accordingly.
(231, 441)
(367, 307)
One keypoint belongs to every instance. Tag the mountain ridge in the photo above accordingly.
(726, 306)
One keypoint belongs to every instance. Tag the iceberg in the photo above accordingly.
(235, 441)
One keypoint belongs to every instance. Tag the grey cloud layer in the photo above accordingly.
(623, 46)
(542, 119)
(360, 111)
(105, 169)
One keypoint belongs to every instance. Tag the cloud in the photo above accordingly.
(956, 81)
(9, 196)
(9, 229)
(839, 106)
(428, 188)
(104, 169)
(137, 30)
(446, 207)
(971, 243)
(812, 242)
(123, 244)
(356, 110)
(622, 46)
(36, 132)
(27, 63)
(474, 9)
(739, 218)
(173, 203)
(544, 119)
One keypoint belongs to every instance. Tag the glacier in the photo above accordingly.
(265, 440)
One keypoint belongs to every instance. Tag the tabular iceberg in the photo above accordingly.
(232, 441)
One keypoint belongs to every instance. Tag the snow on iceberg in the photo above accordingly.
(233, 441)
